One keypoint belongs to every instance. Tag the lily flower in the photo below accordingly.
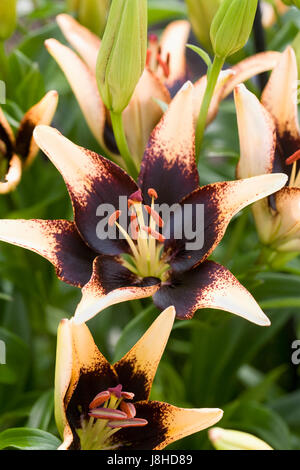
(165, 73)
(19, 152)
(144, 262)
(229, 439)
(270, 142)
(99, 406)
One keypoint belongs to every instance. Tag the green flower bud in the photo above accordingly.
(8, 18)
(228, 439)
(201, 14)
(232, 25)
(122, 55)
(291, 3)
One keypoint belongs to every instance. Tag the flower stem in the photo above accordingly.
(119, 133)
(3, 63)
(212, 78)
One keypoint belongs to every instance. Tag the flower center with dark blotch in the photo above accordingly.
(295, 174)
(144, 239)
(154, 59)
(109, 412)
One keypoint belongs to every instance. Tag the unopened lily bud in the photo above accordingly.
(8, 18)
(201, 14)
(232, 25)
(228, 439)
(292, 3)
(122, 55)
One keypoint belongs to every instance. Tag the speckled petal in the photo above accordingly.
(137, 369)
(170, 154)
(143, 113)
(41, 113)
(111, 284)
(220, 202)
(166, 424)
(92, 181)
(56, 240)
(210, 285)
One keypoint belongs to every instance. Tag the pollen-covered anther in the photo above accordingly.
(156, 217)
(113, 218)
(128, 408)
(158, 236)
(152, 193)
(293, 158)
(128, 423)
(107, 413)
(99, 399)
(127, 395)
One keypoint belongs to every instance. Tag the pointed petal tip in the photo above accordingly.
(215, 434)
(187, 86)
(169, 313)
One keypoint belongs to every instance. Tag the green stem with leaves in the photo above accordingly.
(212, 78)
(119, 133)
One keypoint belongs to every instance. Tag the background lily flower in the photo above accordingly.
(269, 14)
(99, 406)
(156, 266)
(229, 439)
(270, 142)
(18, 152)
(165, 72)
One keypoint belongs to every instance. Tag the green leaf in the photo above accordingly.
(201, 53)
(28, 439)
(42, 411)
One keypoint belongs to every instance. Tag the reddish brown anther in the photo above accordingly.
(158, 236)
(128, 408)
(156, 217)
(99, 399)
(107, 413)
(152, 193)
(293, 158)
(128, 423)
(113, 218)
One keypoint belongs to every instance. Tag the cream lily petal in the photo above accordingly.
(86, 43)
(170, 153)
(84, 86)
(183, 422)
(288, 208)
(95, 298)
(56, 240)
(166, 424)
(63, 377)
(9, 138)
(13, 175)
(250, 67)
(257, 135)
(173, 42)
(41, 113)
(141, 362)
(280, 95)
(143, 113)
(199, 91)
(210, 285)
